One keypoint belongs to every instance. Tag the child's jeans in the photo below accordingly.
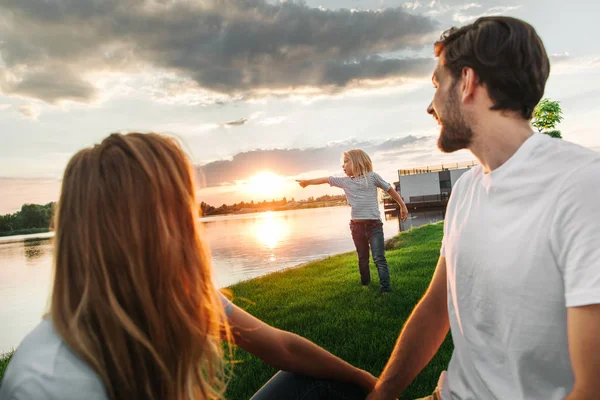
(369, 234)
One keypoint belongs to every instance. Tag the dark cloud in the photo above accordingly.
(238, 122)
(289, 162)
(50, 86)
(241, 47)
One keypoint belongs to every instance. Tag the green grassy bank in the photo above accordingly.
(324, 302)
(4, 359)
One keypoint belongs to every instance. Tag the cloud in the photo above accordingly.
(29, 111)
(563, 63)
(413, 6)
(466, 18)
(186, 128)
(5, 107)
(272, 120)
(238, 122)
(56, 50)
(48, 84)
(291, 162)
(559, 56)
(469, 6)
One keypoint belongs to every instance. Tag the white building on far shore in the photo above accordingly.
(428, 186)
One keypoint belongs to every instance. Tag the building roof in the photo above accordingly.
(437, 168)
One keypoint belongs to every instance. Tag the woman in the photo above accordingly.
(134, 313)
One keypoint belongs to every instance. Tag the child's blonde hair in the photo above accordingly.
(361, 162)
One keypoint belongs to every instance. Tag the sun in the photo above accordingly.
(265, 183)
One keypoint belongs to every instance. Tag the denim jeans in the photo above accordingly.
(369, 234)
(290, 386)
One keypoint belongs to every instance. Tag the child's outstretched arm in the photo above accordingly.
(317, 181)
(396, 196)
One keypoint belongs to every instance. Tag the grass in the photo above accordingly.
(4, 359)
(324, 302)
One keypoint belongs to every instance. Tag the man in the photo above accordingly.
(518, 279)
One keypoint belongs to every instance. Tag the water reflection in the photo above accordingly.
(422, 217)
(270, 230)
(25, 283)
(36, 248)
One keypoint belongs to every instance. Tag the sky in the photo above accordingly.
(259, 93)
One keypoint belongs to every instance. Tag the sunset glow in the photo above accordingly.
(265, 183)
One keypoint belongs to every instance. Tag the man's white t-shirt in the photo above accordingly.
(522, 244)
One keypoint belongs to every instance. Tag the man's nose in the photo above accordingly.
(430, 108)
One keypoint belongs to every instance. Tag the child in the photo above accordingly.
(360, 187)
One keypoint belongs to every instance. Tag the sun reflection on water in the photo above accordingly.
(271, 231)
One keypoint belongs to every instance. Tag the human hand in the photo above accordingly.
(403, 212)
(366, 380)
(302, 182)
(378, 394)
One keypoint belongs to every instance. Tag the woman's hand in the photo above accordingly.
(302, 182)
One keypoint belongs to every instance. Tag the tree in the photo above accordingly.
(546, 115)
(30, 216)
(554, 133)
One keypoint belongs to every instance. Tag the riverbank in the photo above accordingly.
(289, 207)
(324, 302)
(20, 232)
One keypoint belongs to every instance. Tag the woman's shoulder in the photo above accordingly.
(44, 366)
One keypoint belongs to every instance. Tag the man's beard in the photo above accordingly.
(455, 134)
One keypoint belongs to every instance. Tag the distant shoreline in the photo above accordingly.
(20, 232)
(297, 206)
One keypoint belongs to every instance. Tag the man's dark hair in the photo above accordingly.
(508, 57)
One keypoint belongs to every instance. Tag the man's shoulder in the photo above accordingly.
(468, 176)
(563, 157)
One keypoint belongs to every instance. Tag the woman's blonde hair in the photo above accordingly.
(361, 162)
(133, 292)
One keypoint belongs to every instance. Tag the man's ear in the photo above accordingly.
(468, 83)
